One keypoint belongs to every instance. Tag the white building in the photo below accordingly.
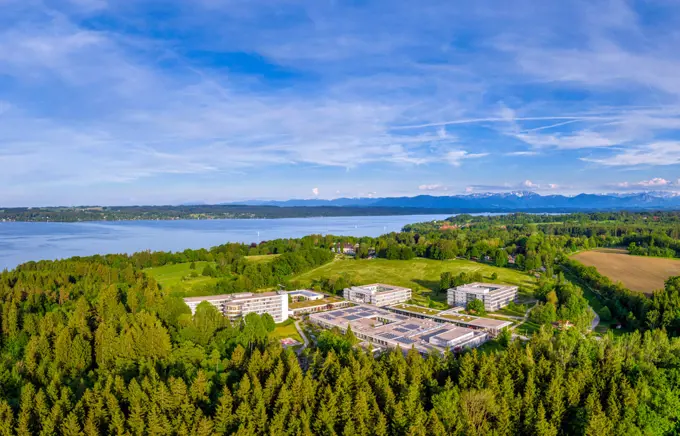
(493, 296)
(236, 306)
(385, 329)
(377, 294)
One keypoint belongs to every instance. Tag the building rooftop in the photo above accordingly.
(306, 293)
(237, 296)
(453, 333)
(489, 323)
(380, 287)
(483, 288)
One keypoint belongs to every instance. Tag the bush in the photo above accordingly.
(476, 306)
(605, 314)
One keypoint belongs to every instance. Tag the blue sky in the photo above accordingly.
(147, 102)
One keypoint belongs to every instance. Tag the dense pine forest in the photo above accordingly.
(95, 346)
(92, 348)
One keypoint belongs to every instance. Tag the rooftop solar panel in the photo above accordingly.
(388, 335)
(405, 341)
(351, 317)
(328, 317)
(411, 326)
(401, 330)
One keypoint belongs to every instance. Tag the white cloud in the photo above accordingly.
(315, 191)
(654, 183)
(527, 184)
(433, 187)
(455, 157)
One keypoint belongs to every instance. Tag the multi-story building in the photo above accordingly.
(236, 306)
(377, 294)
(493, 296)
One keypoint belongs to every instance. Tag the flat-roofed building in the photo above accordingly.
(377, 294)
(236, 306)
(304, 295)
(490, 325)
(493, 296)
(306, 307)
(389, 330)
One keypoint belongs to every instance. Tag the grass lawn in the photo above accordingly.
(421, 275)
(262, 258)
(171, 276)
(463, 318)
(286, 329)
(417, 309)
(528, 328)
(312, 303)
(507, 311)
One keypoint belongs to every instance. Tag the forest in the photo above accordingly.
(94, 346)
(197, 212)
(90, 348)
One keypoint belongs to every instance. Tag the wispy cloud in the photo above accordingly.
(456, 157)
(655, 154)
(297, 93)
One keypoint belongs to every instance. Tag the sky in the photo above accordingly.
(168, 102)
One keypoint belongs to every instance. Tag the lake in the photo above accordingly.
(22, 242)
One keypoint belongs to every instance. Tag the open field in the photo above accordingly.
(421, 275)
(262, 258)
(172, 276)
(638, 273)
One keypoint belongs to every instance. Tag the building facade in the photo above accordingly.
(377, 294)
(236, 306)
(493, 296)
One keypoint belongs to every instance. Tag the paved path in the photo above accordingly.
(524, 319)
(596, 320)
(303, 336)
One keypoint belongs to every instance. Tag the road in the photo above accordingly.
(303, 336)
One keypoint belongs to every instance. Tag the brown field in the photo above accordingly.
(638, 273)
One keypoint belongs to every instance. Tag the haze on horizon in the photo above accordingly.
(107, 103)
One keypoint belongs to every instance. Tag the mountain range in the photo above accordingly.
(507, 201)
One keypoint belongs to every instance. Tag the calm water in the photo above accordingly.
(21, 242)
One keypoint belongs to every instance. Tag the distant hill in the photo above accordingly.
(490, 202)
